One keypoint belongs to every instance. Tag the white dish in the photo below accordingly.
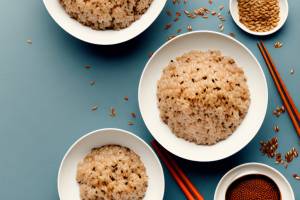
(203, 40)
(284, 10)
(106, 37)
(68, 188)
(283, 184)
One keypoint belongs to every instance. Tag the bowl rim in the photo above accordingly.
(99, 131)
(258, 33)
(257, 164)
(135, 33)
(220, 34)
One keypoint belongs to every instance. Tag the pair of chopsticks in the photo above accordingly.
(280, 86)
(175, 175)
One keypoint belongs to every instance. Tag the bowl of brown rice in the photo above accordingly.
(104, 22)
(110, 164)
(204, 92)
(259, 17)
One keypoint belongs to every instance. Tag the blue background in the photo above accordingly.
(46, 99)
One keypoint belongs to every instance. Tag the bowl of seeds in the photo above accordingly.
(253, 181)
(259, 17)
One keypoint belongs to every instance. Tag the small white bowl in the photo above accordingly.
(68, 188)
(106, 37)
(284, 10)
(254, 168)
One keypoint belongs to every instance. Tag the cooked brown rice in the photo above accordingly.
(112, 172)
(203, 96)
(106, 14)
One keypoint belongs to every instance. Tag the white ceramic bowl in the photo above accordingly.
(106, 37)
(203, 40)
(284, 10)
(68, 188)
(258, 168)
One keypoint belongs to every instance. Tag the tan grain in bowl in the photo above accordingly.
(259, 15)
(112, 172)
(106, 14)
(203, 96)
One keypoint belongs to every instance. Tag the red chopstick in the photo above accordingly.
(282, 84)
(175, 175)
(173, 172)
(182, 175)
(285, 102)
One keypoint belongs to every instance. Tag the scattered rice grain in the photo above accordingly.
(171, 37)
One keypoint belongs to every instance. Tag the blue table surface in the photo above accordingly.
(46, 99)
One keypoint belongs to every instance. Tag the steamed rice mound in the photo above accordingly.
(112, 172)
(106, 14)
(203, 96)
